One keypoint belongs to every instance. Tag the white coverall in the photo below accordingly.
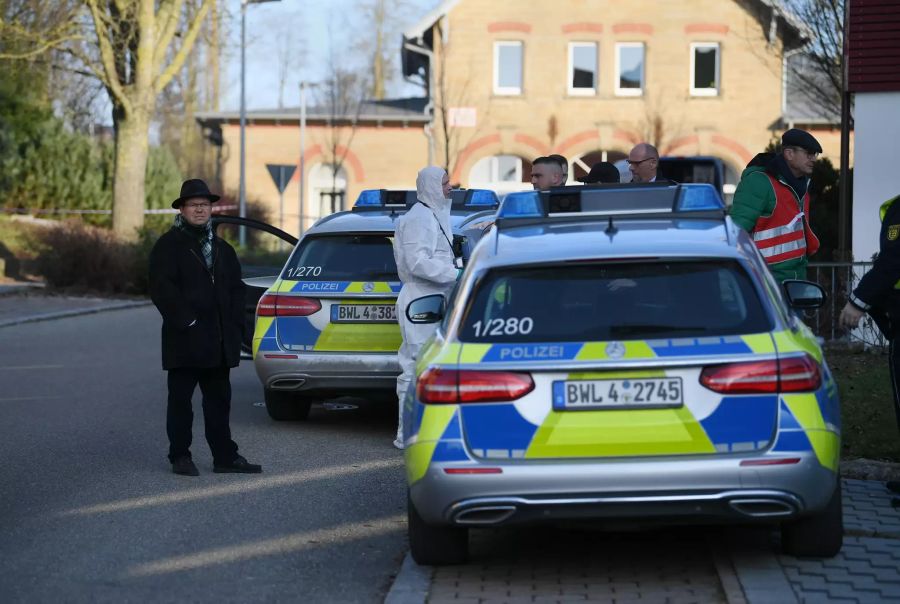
(425, 264)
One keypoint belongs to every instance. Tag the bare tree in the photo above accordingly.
(290, 52)
(380, 21)
(135, 48)
(817, 71)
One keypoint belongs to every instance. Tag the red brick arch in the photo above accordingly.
(532, 142)
(734, 147)
(505, 26)
(350, 158)
(471, 148)
(633, 28)
(582, 27)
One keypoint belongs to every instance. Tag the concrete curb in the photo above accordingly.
(62, 314)
(412, 584)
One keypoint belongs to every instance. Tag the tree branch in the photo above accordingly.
(186, 44)
(108, 59)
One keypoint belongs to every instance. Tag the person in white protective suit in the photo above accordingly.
(423, 250)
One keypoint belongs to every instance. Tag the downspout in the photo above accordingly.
(784, 80)
(429, 107)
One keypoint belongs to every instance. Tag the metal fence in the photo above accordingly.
(838, 279)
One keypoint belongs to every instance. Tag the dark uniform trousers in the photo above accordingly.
(216, 390)
(894, 364)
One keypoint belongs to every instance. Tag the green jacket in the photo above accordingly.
(754, 198)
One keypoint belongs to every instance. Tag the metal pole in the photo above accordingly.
(242, 197)
(845, 253)
(302, 179)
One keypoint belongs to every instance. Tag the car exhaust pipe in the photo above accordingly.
(763, 507)
(287, 384)
(485, 515)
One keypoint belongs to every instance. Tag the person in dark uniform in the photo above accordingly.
(602, 172)
(878, 294)
(195, 283)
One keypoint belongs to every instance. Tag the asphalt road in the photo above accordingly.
(90, 511)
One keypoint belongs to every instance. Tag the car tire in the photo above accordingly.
(435, 545)
(820, 535)
(286, 406)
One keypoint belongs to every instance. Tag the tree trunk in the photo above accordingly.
(132, 148)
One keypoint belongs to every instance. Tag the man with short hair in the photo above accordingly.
(563, 165)
(643, 161)
(772, 204)
(195, 283)
(546, 172)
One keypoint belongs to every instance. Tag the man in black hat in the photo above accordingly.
(602, 172)
(772, 204)
(195, 282)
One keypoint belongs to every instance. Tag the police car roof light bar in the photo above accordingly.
(630, 200)
(461, 199)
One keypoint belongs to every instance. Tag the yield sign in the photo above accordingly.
(281, 175)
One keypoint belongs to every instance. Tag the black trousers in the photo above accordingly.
(215, 386)
(894, 364)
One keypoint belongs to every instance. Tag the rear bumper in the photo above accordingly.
(342, 373)
(695, 490)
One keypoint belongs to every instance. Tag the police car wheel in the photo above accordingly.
(286, 406)
(820, 535)
(435, 545)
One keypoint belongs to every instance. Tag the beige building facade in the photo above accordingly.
(510, 80)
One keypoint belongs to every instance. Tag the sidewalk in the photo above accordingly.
(27, 302)
(740, 565)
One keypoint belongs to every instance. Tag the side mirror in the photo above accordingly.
(804, 295)
(427, 309)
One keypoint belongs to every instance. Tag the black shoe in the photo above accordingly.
(893, 486)
(185, 467)
(238, 466)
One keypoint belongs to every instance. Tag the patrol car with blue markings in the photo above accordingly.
(327, 326)
(620, 352)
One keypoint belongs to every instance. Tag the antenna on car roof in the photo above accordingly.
(611, 228)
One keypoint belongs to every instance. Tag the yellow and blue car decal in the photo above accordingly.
(316, 333)
(790, 422)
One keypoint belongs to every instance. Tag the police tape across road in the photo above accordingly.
(37, 211)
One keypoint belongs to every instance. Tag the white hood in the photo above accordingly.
(430, 191)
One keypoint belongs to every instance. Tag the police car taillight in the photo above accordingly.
(449, 386)
(275, 305)
(793, 374)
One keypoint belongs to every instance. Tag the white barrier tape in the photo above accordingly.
(36, 211)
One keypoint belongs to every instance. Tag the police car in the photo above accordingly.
(327, 326)
(620, 352)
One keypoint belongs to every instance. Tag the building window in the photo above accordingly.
(704, 69)
(630, 69)
(583, 68)
(501, 173)
(508, 68)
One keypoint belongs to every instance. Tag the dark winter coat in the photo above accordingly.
(878, 292)
(185, 290)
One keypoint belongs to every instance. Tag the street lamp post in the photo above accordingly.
(302, 179)
(242, 195)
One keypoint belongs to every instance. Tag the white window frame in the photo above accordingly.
(508, 90)
(630, 91)
(571, 72)
(705, 91)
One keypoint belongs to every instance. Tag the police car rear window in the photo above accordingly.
(614, 301)
(361, 257)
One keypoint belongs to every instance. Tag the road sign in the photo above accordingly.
(281, 175)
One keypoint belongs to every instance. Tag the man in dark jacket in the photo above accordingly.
(195, 282)
(772, 204)
(878, 294)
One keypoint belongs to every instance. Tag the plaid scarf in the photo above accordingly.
(203, 234)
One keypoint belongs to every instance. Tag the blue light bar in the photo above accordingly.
(521, 204)
(369, 198)
(699, 196)
(483, 197)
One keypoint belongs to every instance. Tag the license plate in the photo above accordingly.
(643, 393)
(363, 313)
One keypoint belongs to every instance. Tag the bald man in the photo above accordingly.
(643, 161)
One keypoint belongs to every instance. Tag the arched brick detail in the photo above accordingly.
(532, 142)
(706, 28)
(471, 148)
(627, 137)
(733, 146)
(504, 26)
(576, 139)
(313, 153)
(582, 27)
(633, 28)
(683, 141)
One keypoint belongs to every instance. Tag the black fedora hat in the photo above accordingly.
(601, 172)
(194, 188)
